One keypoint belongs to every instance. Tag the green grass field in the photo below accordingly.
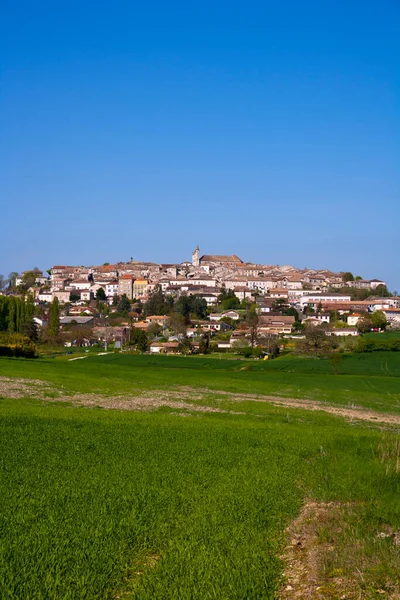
(101, 504)
(369, 380)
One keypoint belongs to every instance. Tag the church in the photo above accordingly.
(230, 261)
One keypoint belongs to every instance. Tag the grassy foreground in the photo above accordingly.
(161, 505)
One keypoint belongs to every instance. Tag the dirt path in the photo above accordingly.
(362, 414)
(178, 397)
(325, 558)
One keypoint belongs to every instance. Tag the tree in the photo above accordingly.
(379, 320)
(177, 323)
(364, 324)
(28, 326)
(79, 334)
(347, 276)
(138, 338)
(270, 343)
(3, 282)
(29, 278)
(101, 295)
(316, 342)
(158, 303)
(291, 312)
(204, 345)
(124, 305)
(154, 329)
(182, 306)
(11, 279)
(242, 347)
(228, 321)
(280, 304)
(228, 300)
(335, 358)
(252, 322)
(54, 319)
(198, 306)
(185, 346)
(381, 290)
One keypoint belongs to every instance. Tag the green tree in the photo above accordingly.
(124, 305)
(228, 321)
(11, 279)
(198, 306)
(280, 305)
(182, 306)
(54, 319)
(381, 290)
(154, 329)
(228, 300)
(252, 322)
(364, 324)
(138, 339)
(185, 346)
(316, 342)
(101, 295)
(29, 278)
(291, 312)
(177, 323)
(158, 303)
(378, 320)
(204, 346)
(347, 276)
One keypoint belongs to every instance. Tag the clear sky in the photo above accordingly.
(269, 129)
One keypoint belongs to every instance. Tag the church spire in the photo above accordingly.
(196, 256)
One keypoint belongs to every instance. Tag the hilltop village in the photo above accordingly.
(212, 302)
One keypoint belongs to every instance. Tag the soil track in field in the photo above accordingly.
(181, 398)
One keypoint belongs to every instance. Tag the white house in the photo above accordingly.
(343, 332)
(316, 298)
(242, 292)
(376, 282)
(231, 314)
(112, 289)
(45, 296)
(202, 280)
(353, 319)
(62, 295)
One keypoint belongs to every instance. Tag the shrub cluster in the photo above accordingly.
(16, 344)
(377, 344)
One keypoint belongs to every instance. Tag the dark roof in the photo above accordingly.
(221, 258)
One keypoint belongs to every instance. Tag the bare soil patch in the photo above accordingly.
(349, 413)
(178, 397)
(30, 388)
(327, 558)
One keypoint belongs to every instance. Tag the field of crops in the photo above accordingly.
(370, 379)
(101, 504)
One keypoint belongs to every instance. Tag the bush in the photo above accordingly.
(376, 345)
(17, 345)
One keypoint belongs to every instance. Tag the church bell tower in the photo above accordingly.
(196, 257)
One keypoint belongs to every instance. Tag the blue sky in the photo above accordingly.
(266, 129)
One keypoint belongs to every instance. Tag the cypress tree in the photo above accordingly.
(12, 316)
(54, 318)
